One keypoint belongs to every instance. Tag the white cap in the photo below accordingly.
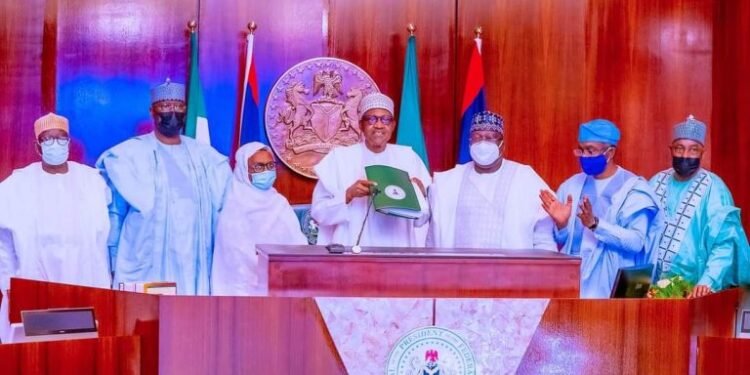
(375, 100)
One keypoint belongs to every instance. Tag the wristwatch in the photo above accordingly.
(596, 223)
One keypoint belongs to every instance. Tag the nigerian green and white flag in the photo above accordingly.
(409, 131)
(197, 122)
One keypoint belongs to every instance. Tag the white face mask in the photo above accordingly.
(55, 153)
(485, 152)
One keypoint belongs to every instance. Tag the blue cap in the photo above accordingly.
(487, 120)
(168, 91)
(690, 129)
(599, 130)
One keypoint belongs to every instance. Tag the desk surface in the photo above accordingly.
(415, 252)
(311, 271)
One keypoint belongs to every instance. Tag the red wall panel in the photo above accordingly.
(730, 139)
(21, 29)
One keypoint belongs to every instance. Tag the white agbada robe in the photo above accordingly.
(54, 227)
(339, 222)
(250, 216)
(511, 216)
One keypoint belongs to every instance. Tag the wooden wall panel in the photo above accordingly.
(551, 65)
(372, 34)
(533, 57)
(730, 133)
(245, 335)
(289, 31)
(109, 55)
(648, 65)
(577, 337)
(105, 355)
(21, 29)
(628, 335)
(723, 355)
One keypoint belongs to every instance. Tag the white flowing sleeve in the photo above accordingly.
(329, 205)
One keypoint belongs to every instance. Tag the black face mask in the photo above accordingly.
(170, 124)
(685, 167)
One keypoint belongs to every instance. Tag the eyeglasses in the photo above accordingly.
(692, 151)
(167, 106)
(62, 141)
(372, 119)
(589, 151)
(260, 167)
(476, 137)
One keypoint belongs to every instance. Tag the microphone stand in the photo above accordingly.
(373, 192)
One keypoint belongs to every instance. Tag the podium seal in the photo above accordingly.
(431, 350)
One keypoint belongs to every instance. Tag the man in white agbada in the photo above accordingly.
(254, 213)
(341, 196)
(167, 194)
(53, 217)
(490, 202)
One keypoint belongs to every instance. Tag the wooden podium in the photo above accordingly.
(311, 271)
(271, 335)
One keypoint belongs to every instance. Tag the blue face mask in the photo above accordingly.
(55, 154)
(593, 165)
(263, 180)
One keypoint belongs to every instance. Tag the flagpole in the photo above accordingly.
(251, 27)
(478, 37)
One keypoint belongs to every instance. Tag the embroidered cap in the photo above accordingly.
(690, 129)
(168, 91)
(487, 120)
(50, 121)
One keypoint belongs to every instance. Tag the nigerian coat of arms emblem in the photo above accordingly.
(313, 108)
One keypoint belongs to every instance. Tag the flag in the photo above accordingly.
(410, 128)
(473, 100)
(197, 123)
(250, 125)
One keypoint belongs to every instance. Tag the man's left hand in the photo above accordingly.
(700, 291)
(586, 213)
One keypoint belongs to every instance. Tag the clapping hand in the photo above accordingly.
(586, 213)
(558, 211)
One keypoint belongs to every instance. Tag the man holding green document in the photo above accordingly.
(346, 190)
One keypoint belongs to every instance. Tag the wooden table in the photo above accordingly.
(301, 271)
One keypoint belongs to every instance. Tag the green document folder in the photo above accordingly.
(396, 195)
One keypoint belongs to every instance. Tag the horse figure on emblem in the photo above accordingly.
(297, 112)
(349, 115)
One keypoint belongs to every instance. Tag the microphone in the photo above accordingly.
(374, 190)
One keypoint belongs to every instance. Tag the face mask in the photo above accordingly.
(55, 154)
(263, 180)
(170, 123)
(485, 153)
(593, 165)
(685, 166)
